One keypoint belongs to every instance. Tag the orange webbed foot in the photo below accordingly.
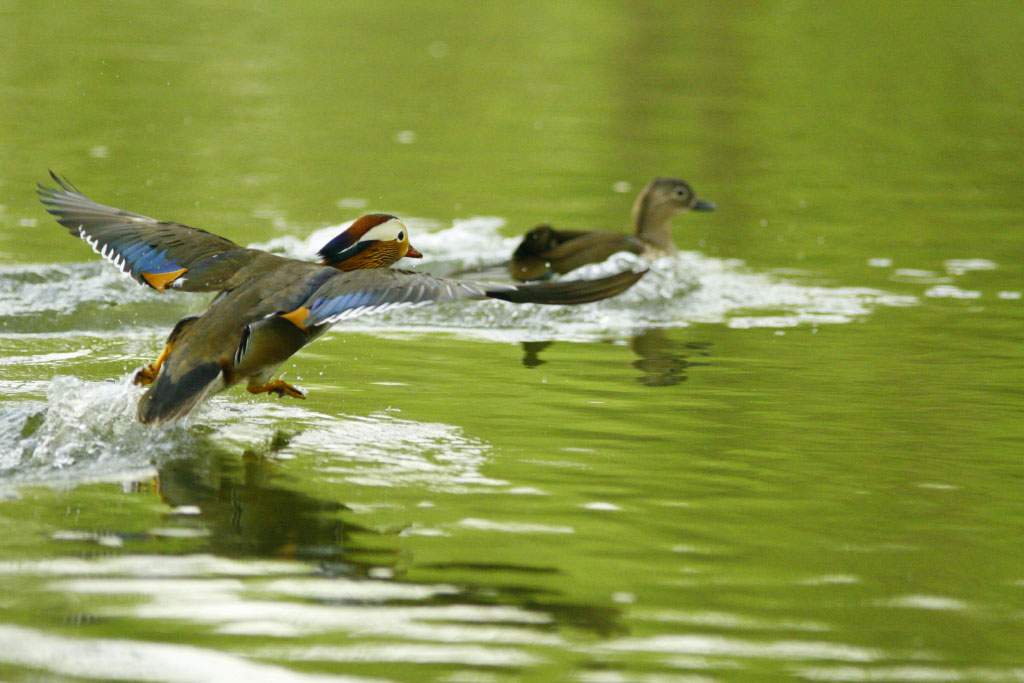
(277, 386)
(145, 376)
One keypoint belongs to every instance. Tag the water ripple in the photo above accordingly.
(86, 431)
(689, 288)
(106, 658)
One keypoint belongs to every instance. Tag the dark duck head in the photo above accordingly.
(376, 240)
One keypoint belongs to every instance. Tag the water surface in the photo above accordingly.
(790, 453)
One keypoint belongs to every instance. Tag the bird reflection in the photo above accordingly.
(491, 586)
(531, 353)
(249, 507)
(661, 360)
(245, 507)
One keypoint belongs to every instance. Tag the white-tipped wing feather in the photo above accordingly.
(349, 295)
(356, 293)
(150, 251)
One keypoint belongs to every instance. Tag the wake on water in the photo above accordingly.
(86, 430)
(677, 291)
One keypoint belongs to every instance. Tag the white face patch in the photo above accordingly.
(386, 231)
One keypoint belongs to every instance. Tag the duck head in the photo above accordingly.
(536, 242)
(376, 240)
(528, 262)
(657, 203)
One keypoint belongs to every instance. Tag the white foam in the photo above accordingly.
(63, 288)
(377, 450)
(84, 431)
(966, 265)
(689, 288)
(951, 292)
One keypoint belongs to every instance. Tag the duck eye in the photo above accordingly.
(401, 235)
(681, 192)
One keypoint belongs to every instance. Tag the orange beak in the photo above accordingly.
(412, 253)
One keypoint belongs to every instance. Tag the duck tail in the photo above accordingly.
(567, 291)
(173, 397)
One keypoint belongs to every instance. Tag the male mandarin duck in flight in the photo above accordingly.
(269, 306)
(545, 251)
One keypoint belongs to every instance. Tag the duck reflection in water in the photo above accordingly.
(661, 360)
(531, 352)
(247, 511)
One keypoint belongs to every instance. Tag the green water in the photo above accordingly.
(806, 469)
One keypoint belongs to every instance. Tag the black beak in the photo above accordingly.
(701, 205)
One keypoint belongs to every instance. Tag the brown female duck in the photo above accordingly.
(269, 306)
(545, 251)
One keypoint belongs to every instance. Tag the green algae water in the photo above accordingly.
(794, 452)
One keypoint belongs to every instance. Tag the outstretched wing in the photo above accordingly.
(154, 253)
(567, 291)
(356, 293)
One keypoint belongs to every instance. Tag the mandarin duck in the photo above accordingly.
(545, 251)
(269, 306)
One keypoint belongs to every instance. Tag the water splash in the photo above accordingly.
(60, 298)
(62, 288)
(678, 291)
(377, 450)
(688, 288)
(86, 431)
(83, 431)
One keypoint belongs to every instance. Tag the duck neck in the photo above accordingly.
(652, 223)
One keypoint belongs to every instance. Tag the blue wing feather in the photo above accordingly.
(139, 245)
